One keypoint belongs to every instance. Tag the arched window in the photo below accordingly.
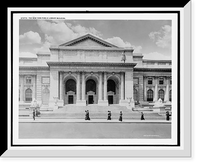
(70, 85)
(161, 94)
(150, 95)
(111, 86)
(135, 95)
(170, 95)
(90, 86)
(28, 95)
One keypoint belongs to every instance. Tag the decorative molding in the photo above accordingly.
(153, 69)
(33, 67)
(96, 64)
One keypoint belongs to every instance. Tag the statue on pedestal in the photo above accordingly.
(159, 103)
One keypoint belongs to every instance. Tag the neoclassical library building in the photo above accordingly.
(89, 70)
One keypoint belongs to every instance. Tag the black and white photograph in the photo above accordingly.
(97, 79)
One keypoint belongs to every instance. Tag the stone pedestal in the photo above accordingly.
(60, 103)
(159, 109)
(103, 102)
(81, 102)
(123, 103)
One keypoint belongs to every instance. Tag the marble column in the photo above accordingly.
(122, 86)
(83, 86)
(53, 89)
(61, 85)
(100, 86)
(80, 98)
(105, 86)
(78, 86)
(21, 88)
(145, 88)
(167, 90)
(156, 90)
(102, 89)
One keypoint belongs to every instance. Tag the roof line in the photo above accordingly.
(86, 36)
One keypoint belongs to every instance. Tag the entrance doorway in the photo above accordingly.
(90, 99)
(70, 99)
(110, 99)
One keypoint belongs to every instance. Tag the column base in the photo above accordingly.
(81, 102)
(158, 109)
(123, 103)
(54, 105)
(103, 102)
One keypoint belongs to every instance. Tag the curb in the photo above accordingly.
(90, 121)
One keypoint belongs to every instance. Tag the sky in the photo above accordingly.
(152, 38)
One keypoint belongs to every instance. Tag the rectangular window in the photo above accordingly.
(161, 81)
(150, 81)
(28, 80)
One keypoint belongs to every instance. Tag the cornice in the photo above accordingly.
(33, 67)
(153, 69)
(91, 64)
(79, 48)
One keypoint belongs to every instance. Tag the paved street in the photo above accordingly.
(81, 129)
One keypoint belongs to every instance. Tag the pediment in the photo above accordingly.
(88, 40)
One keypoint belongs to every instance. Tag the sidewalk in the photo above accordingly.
(51, 120)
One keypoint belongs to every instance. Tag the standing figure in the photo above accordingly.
(142, 116)
(123, 57)
(167, 115)
(33, 114)
(87, 116)
(120, 116)
(109, 115)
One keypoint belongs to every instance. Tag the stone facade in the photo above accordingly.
(89, 70)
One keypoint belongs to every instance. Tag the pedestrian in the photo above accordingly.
(109, 115)
(85, 114)
(88, 115)
(142, 116)
(120, 116)
(33, 114)
(167, 115)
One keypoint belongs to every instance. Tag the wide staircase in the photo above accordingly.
(99, 112)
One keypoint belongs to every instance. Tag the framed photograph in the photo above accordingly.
(99, 82)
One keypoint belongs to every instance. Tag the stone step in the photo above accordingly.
(96, 112)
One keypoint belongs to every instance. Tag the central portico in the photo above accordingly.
(89, 70)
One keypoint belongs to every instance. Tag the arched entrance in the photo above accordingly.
(70, 92)
(91, 91)
(113, 90)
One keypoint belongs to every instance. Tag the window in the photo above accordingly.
(28, 95)
(28, 80)
(150, 81)
(161, 81)
(170, 95)
(135, 95)
(150, 95)
(161, 94)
